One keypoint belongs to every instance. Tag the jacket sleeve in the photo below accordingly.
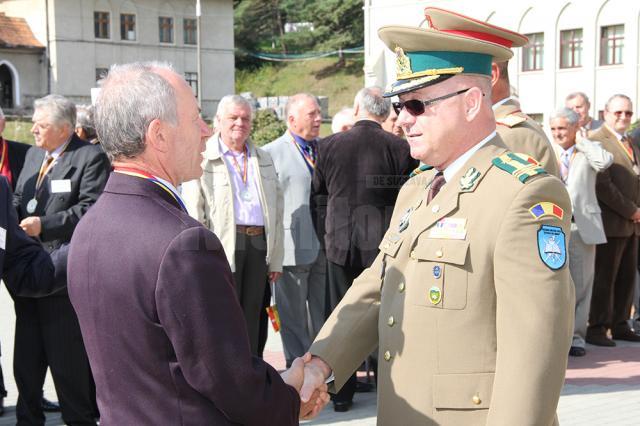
(538, 303)
(318, 199)
(60, 225)
(198, 309)
(28, 270)
(599, 159)
(275, 264)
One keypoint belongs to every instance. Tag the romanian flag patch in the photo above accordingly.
(545, 209)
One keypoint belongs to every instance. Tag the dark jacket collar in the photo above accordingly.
(120, 183)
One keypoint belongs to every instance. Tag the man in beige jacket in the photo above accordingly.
(238, 198)
(470, 298)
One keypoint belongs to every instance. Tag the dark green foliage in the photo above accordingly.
(266, 127)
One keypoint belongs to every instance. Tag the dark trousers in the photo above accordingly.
(48, 334)
(250, 280)
(263, 332)
(3, 390)
(613, 286)
(339, 279)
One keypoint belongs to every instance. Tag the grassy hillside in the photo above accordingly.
(18, 130)
(322, 77)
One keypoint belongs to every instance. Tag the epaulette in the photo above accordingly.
(421, 169)
(520, 166)
(512, 119)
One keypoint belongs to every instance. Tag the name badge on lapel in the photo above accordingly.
(3, 238)
(60, 185)
(449, 228)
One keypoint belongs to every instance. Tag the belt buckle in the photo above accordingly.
(253, 231)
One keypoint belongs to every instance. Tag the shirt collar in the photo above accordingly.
(568, 151)
(504, 101)
(225, 150)
(617, 135)
(59, 150)
(171, 187)
(454, 167)
(300, 140)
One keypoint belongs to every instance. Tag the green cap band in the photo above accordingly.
(473, 63)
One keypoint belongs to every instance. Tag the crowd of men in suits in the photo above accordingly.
(298, 220)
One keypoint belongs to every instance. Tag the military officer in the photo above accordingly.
(470, 298)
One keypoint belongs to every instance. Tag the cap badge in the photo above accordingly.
(403, 63)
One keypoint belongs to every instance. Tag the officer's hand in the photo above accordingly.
(31, 225)
(294, 376)
(316, 372)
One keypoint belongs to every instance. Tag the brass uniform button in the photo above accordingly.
(387, 245)
(435, 208)
(391, 321)
(401, 287)
(387, 355)
(476, 400)
(413, 254)
(439, 253)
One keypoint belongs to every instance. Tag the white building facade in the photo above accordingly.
(83, 38)
(590, 46)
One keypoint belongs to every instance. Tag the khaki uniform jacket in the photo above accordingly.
(520, 133)
(618, 187)
(210, 201)
(493, 349)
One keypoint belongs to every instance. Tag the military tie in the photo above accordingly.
(436, 184)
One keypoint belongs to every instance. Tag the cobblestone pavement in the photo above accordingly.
(602, 388)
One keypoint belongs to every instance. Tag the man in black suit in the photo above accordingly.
(60, 180)
(359, 173)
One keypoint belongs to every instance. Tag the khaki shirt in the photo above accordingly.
(473, 327)
(520, 133)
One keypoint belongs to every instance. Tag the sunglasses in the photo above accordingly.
(416, 107)
(627, 114)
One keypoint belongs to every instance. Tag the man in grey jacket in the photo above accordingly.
(239, 199)
(303, 279)
(580, 160)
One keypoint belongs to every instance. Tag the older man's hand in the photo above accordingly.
(318, 396)
(31, 225)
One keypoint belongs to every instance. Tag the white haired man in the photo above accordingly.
(60, 181)
(579, 161)
(238, 198)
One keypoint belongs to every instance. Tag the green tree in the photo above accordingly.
(266, 127)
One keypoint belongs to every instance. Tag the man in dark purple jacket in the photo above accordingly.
(151, 286)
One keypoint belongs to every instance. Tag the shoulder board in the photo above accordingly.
(421, 169)
(512, 119)
(520, 166)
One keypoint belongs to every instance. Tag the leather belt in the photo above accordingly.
(251, 231)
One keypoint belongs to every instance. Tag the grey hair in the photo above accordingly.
(567, 113)
(572, 96)
(229, 100)
(60, 109)
(342, 117)
(370, 100)
(84, 119)
(295, 99)
(617, 96)
(131, 97)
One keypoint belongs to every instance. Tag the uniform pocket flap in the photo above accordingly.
(390, 244)
(446, 251)
(462, 391)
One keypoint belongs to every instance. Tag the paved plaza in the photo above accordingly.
(602, 388)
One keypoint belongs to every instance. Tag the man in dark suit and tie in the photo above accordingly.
(618, 192)
(152, 287)
(359, 172)
(60, 180)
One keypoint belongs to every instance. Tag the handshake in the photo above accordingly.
(308, 376)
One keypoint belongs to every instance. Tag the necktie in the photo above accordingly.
(564, 166)
(44, 169)
(436, 184)
(626, 142)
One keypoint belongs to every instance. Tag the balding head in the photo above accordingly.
(369, 104)
(303, 115)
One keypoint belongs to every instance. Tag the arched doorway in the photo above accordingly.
(6, 87)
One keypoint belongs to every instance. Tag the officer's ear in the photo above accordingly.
(495, 73)
(473, 103)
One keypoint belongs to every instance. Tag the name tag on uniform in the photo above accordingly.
(60, 185)
(3, 238)
(449, 228)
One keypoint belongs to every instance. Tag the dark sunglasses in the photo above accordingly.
(416, 107)
(628, 114)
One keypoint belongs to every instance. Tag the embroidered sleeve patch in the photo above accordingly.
(545, 209)
(552, 246)
(520, 166)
